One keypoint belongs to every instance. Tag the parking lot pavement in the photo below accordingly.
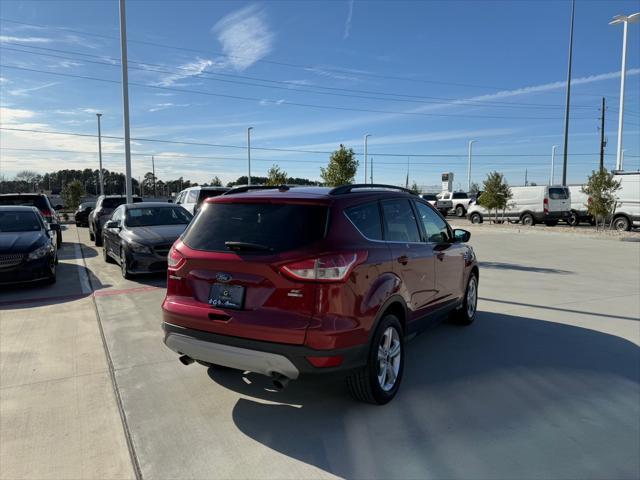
(545, 384)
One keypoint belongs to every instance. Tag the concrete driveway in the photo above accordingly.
(545, 384)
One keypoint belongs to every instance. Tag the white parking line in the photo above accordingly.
(83, 277)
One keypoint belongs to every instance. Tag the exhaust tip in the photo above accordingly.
(280, 382)
(186, 360)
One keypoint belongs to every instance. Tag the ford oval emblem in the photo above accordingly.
(223, 277)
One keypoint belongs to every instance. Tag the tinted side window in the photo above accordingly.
(434, 226)
(366, 218)
(460, 195)
(399, 221)
(193, 196)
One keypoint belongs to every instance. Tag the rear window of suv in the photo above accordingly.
(38, 201)
(277, 227)
(558, 193)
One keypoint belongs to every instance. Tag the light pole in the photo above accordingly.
(566, 110)
(553, 161)
(471, 142)
(100, 155)
(125, 101)
(622, 160)
(365, 156)
(249, 153)
(625, 20)
(153, 172)
(371, 176)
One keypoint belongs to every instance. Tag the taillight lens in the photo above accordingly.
(174, 258)
(328, 268)
(545, 204)
(48, 215)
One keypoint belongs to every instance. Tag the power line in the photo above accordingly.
(308, 68)
(286, 102)
(289, 85)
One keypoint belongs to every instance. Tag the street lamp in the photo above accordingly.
(625, 20)
(365, 156)
(553, 160)
(471, 142)
(249, 153)
(100, 154)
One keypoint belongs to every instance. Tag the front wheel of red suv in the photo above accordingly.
(379, 381)
(467, 312)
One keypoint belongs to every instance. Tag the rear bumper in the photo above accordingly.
(266, 358)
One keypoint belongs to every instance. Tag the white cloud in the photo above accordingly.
(245, 37)
(24, 92)
(163, 106)
(191, 69)
(13, 115)
(347, 23)
(11, 38)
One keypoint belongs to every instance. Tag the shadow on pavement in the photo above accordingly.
(522, 268)
(508, 397)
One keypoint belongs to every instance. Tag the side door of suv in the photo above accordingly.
(414, 260)
(449, 263)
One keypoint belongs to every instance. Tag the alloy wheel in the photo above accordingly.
(389, 358)
(472, 297)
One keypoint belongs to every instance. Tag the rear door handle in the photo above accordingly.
(403, 259)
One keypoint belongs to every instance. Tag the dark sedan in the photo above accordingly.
(41, 202)
(138, 236)
(82, 213)
(27, 246)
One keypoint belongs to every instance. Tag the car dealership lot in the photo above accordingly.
(545, 384)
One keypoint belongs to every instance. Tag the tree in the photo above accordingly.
(72, 194)
(475, 188)
(216, 182)
(601, 188)
(496, 193)
(275, 176)
(341, 169)
(415, 188)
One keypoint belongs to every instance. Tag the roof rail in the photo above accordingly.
(248, 188)
(341, 190)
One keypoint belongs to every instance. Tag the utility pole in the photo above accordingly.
(471, 142)
(249, 154)
(371, 162)
(153, 171)
(365, 156)
(566, 111)
(622, 159)
(125, 101)
(603, 142)
(101, 180)
(406, 182)
(526, 183)
(553, 161)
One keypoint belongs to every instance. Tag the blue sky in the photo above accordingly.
(423, 78)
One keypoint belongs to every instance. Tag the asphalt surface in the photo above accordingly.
(545, 384)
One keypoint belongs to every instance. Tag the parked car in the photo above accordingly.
(191, 198)
(42, 203)
(28, 251)
(579, 202)
(627, 212)
(105, 205)
(82, 213)
(294, 281)
(443, 206)
(138, 236)
(459, 202)
(530, 205)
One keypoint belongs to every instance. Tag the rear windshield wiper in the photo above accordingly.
(237, 246)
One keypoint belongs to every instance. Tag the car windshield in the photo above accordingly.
(148, 216)
(19, 222)
(558, 193)
(257, 226)
(37, 201)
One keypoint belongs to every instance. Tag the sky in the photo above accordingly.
(422, 78)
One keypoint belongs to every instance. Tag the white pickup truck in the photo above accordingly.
(442, 205)
(458, 202)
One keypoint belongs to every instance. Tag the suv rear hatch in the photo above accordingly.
(226, 275)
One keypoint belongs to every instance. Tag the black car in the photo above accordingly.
(105, 205)
(82, 213)
(138, 236)
(41, 202)
(28, 250)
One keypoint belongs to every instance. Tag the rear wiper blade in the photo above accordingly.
(236, 246)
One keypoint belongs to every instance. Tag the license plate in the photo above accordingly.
(226, 296)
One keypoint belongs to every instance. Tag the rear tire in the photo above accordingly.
(475, 218)
(574, 218)
(379, 381)
(460, 211)
(105, 256)
(622, 224)
(98, 239)
(528, 220)
(467, 313)
(92, 237)
(124, 267)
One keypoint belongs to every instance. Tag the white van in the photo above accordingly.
(530, 205)
(627, 212)
(579, 201)
(191, 198)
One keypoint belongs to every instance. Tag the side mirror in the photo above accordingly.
(169, 201)
(460, 235)
(54, 227)
(112, 224)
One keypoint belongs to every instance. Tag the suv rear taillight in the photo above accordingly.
(175, 259)
(48, 215)
(545, 204)
(335, 267)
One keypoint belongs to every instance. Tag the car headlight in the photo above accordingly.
(139, 248)
(40, 252)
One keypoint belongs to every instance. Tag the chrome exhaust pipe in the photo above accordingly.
(186, 360)
(280, 382)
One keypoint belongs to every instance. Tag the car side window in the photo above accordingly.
(366, 218)
(435, 227)
(193, 196)
(117, 215)
(399, 221)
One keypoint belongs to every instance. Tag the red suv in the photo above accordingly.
(289, 281)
